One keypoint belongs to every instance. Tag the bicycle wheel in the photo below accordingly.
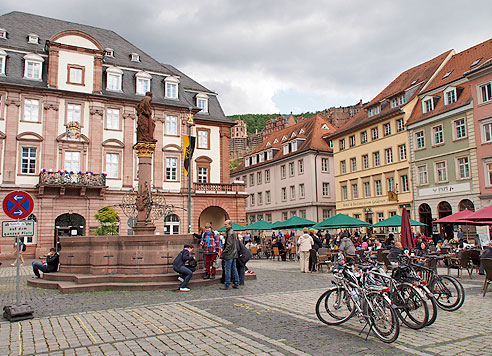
(412, 309)
(432, 304)
(449, 293)
(335, 306)
(382, 317)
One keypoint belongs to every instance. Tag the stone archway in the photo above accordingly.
(214, 215)
(444, 209)
(425, 216)
(468, 230)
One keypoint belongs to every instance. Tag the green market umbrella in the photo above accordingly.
(294, 222)
(235, 227)
(339, 221)
(395, 221)
(259, 225)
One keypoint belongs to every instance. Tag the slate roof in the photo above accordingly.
(19, 24)
(312, 140)
(407, 83)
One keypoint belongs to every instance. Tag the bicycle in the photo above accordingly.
(349, 297)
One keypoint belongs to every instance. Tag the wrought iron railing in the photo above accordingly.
(88, 179)
(213, 187)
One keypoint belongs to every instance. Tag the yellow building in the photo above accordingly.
(372, 171)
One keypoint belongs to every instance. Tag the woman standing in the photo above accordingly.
(210, 243)
(305, 244)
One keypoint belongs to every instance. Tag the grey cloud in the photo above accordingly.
(346, 46)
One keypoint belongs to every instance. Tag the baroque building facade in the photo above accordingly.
(68, 123)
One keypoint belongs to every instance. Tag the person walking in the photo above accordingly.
(305, 243)
(183, 265)
(313, 253)
(229, 256)
(21, 248)
(210, 243)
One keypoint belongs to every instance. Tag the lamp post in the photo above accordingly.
(190, 124)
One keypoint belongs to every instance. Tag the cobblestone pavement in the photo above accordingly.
(273, 315)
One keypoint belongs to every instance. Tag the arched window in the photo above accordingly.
(171, 225)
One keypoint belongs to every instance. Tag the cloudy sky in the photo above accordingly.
(269, 56)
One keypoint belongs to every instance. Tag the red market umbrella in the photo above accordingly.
(484, 214)
(406, 232)
(456, 218)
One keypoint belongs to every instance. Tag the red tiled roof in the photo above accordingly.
(420, 74)
(312, 135)
(414, 77)
(463, 98)
(461, 63)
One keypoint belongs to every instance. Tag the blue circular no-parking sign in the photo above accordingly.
(18, 205)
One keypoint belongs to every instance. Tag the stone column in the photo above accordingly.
(13, 103)
(158, 156)
(50, 132)
(225, 135)
(145, 151)
(96, 135)
(128, 137)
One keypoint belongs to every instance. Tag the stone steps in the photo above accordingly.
(76, 283)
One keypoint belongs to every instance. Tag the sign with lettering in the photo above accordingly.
(445, 189)
(17, 228)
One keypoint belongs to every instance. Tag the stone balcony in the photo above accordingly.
(217, 188)
(71, 184)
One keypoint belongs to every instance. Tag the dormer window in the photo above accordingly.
(449, 96)
(301, 131)
(3, 34)
(109, 52)
(143, 82)
(275, 141)
(427, 104)
(374, 110)
(202, 103)
(33, 66)
(284, 138)
(113, 78)
(33, 38)
(475, 62)
(3, 59)
(75, 74)
(447, 74)
(171, 84)
(135, 57)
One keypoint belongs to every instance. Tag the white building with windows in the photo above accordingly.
(290, 174)
(68, 124)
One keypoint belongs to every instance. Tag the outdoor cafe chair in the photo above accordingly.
(254, 251)
(276, 253)
(487, 266)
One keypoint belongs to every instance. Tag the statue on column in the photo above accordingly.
(145, 124)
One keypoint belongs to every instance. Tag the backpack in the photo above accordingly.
(23, 247)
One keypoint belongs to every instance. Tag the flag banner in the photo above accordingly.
(188, 148)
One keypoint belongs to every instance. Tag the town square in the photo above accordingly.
(245, 178)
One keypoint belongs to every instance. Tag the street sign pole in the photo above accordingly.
(18, 205)
(17, 282)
